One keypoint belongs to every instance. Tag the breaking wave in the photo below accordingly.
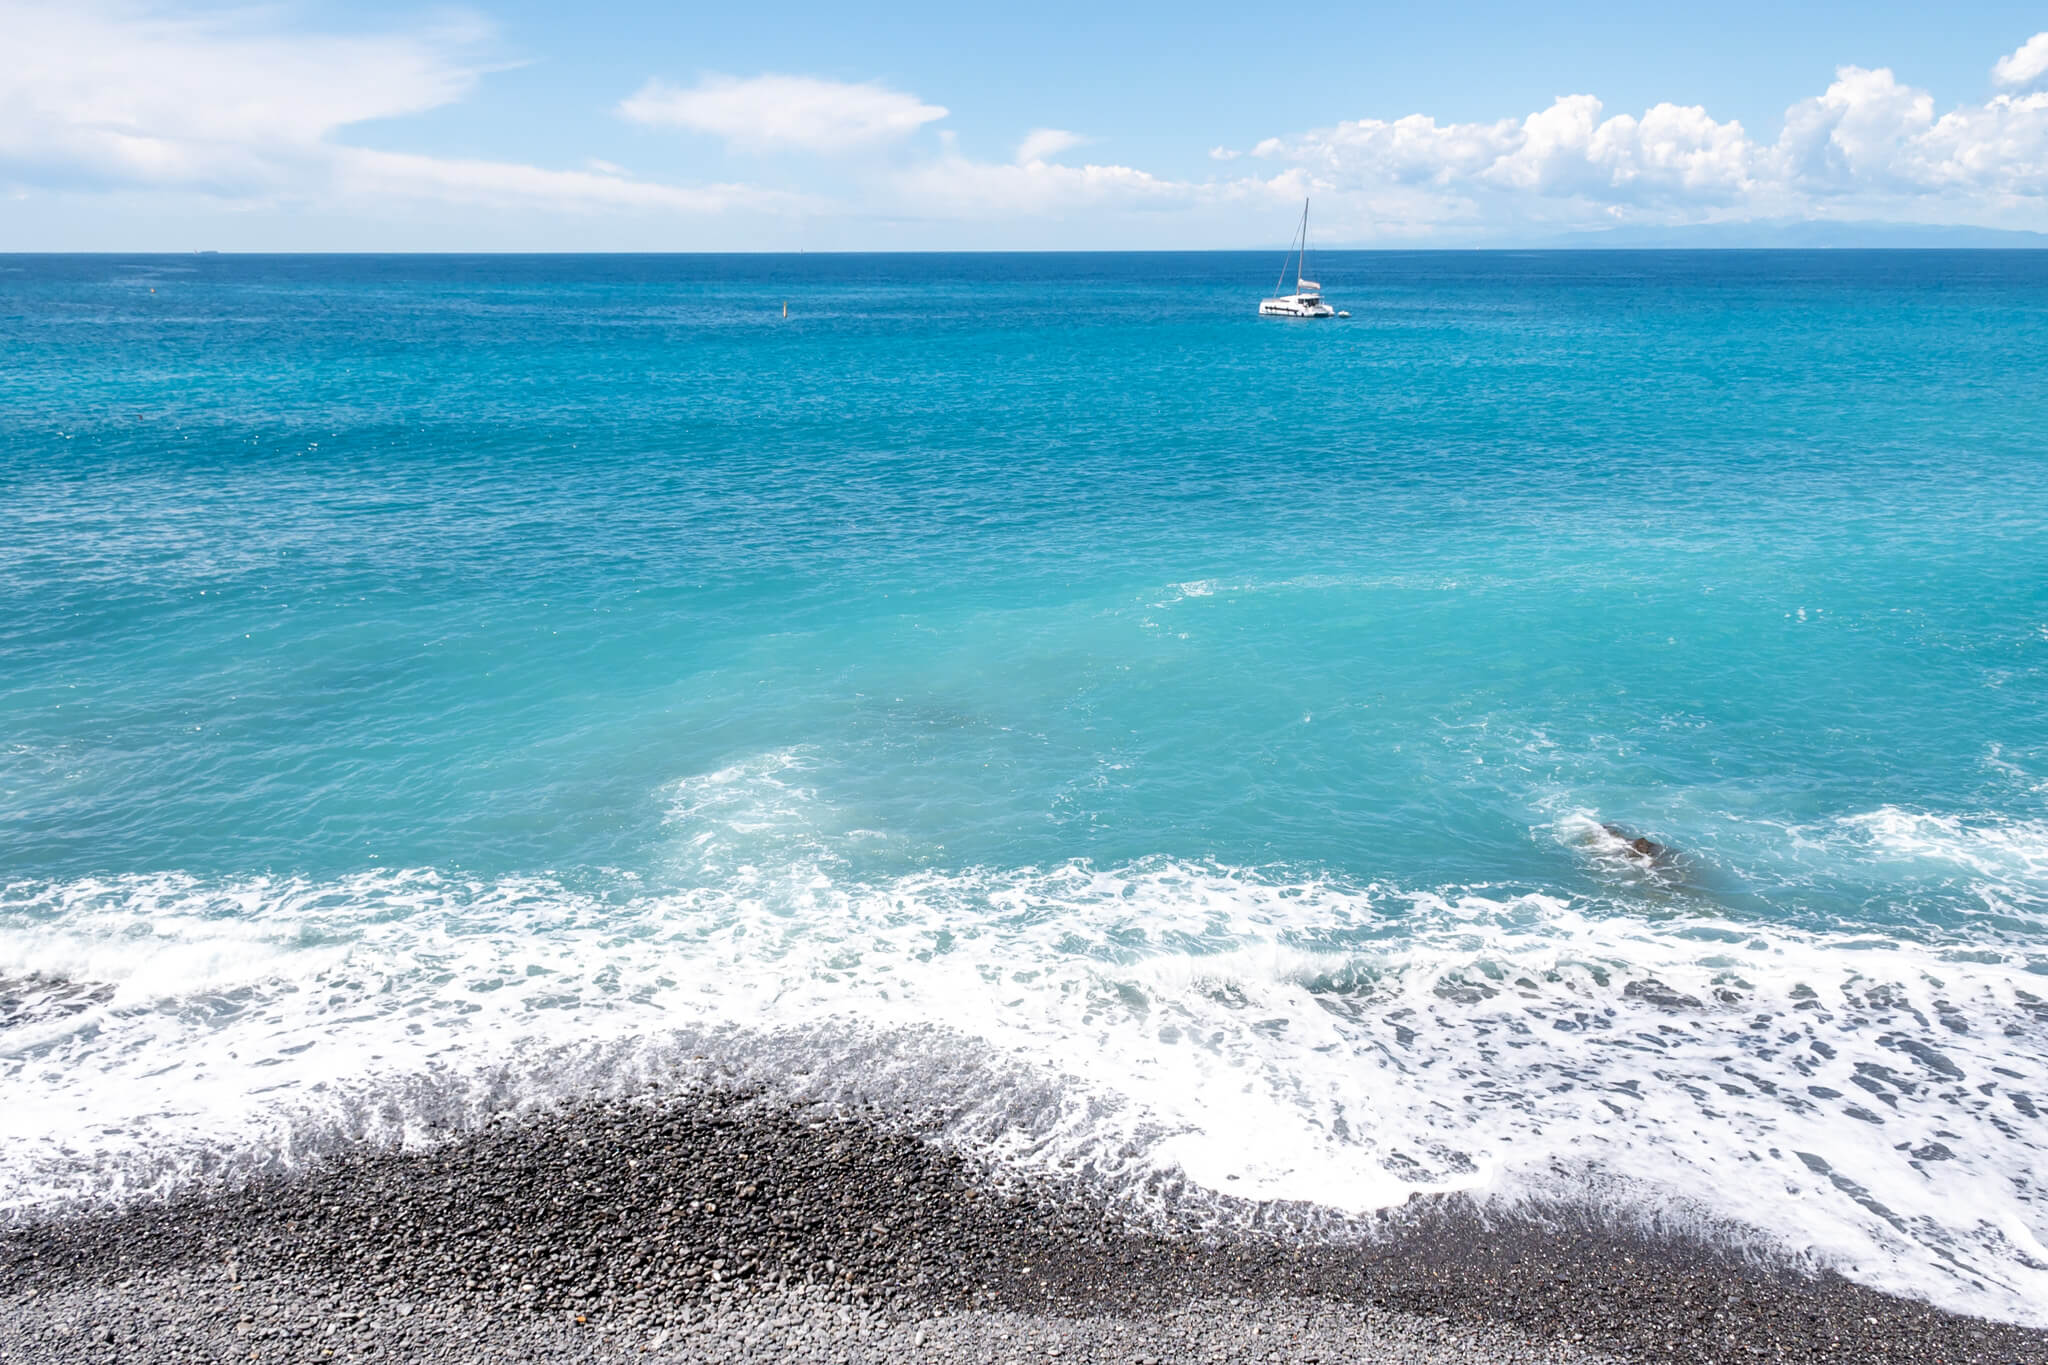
(1875, 1100)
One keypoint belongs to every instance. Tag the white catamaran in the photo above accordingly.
(1307, 299)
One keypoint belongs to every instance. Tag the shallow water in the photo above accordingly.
(409, 665)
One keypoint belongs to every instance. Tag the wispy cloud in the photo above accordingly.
(1043, 144)
(365, 173)
(955, 186)
(799, 112)
(102, 94)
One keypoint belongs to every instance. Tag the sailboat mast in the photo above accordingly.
(1301, 258)
(1301, 261)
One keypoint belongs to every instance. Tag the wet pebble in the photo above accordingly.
(719, 1226)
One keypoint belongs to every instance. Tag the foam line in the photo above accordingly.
(1878, 1100)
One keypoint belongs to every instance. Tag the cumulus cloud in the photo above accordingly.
(99, 94)
(1568, 160)
(1868, 133)
(2024, 66)
(1867, 139)
(1569, 148)
(783, 111)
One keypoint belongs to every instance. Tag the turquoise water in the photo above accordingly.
(422, 665)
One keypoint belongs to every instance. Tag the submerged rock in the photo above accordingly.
(1641, 847)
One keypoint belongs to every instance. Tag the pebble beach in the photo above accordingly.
(715, 1225)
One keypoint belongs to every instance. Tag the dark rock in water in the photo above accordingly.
(1640, 846)
(1661, 995)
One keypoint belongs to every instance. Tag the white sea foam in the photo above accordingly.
(1875, 1100)
(2007, 850)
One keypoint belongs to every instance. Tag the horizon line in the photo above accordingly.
(1548, 249)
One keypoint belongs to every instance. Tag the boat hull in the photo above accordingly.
(1288, 308)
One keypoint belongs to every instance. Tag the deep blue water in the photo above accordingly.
(1048, 648)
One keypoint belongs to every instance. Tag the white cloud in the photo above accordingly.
(1565, 149)
(1043, 144)
(955, 186)
(1868, 143)
(99, 94)
(959, 188)
(2024, 66)
(783, 111)
(1678, 148)
(1869, 134)
(128, 95)
(362, 172)
(230, 107)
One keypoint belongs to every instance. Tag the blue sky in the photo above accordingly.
(132, 126)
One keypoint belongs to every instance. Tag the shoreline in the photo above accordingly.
(714, 1224)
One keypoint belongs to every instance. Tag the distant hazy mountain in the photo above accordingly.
(1795, 234)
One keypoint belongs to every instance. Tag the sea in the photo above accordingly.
(1148, 743)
